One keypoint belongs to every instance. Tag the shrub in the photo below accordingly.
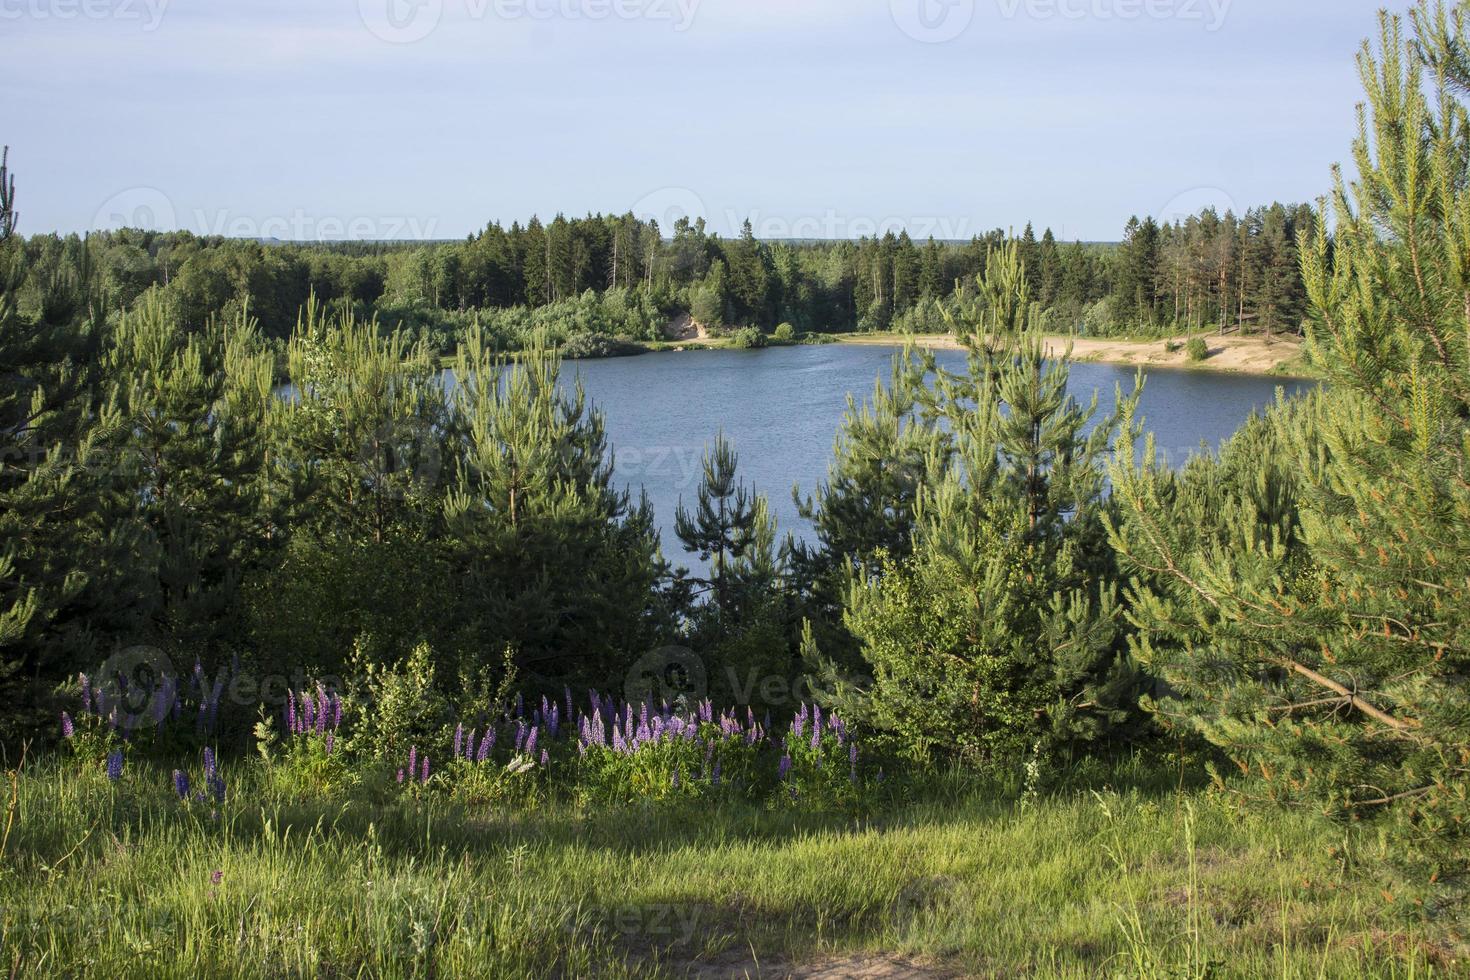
(748, 338)
(785, 333)
(1197, 349)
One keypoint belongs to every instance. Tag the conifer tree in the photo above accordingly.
(1002, 631)
(62, 542)
(548, 556)
(1327, 654)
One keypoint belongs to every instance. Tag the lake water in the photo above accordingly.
(781, 407)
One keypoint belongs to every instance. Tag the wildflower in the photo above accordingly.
(115, 765)
(425, 777)
(216, 876)
(413, 759)
(291, 712)
(852, 763)
(816, 737)
(486, 744)
(400, 777)
(86, 692)
(208, 762)
(331, 740)
(458, 740)
(545, 758)
(181, 784)
(531, 742)
(785, 767)
(67, 729)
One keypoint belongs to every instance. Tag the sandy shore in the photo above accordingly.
(1241, 355)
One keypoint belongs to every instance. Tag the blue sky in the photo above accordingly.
(814, 118)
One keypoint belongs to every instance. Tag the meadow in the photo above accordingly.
(571, 858)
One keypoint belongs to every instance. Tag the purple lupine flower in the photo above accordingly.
(798, 724)
(216, 786)
(545, 758)
(816, 738)
(321, 710)
(115, 765)
(331, 741)
(181, 784)
(209, 769)
(469, 746)
(715, 775)
(308, 711)
(816, 716)
(643, 716)
(520, 736)
(400, 777)
(291, 712)
(336, 711)
(67, 728)
(458, 740)
(486, 744)
(413, 759)
(785, 767)
(425, 776)
(531, 742)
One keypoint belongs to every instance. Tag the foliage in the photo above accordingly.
(1196, 349)
(1305, 598)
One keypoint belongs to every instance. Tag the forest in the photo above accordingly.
(622, 278)
(316, 659)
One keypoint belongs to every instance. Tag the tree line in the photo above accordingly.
(625, 278)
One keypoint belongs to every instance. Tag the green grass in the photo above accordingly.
(112, 881)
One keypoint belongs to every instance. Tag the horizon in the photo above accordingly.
(421, 120)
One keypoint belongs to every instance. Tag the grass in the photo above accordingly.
(1141, 880)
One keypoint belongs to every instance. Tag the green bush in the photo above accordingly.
(1197, 349)
(748, 338)
(785, 333)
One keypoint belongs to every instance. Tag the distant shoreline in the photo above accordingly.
(1281, 357)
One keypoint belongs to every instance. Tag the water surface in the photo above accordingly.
(781, 407)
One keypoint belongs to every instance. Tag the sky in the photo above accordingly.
(392, 119)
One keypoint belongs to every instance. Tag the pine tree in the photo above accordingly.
(63, 542)
(1329, 661)
(1002, 631)
(731, 530)
(549, 558)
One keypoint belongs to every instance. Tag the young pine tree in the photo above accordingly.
(1328, 660)
(1002, 631)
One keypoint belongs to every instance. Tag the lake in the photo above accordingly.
(781, 407)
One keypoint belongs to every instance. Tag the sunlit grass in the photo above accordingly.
(104, 880)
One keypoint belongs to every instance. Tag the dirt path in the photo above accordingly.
(1242, 355)
(845, 968)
